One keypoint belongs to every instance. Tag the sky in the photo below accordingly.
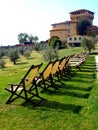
(36, 16)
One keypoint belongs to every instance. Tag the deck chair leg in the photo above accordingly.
(11, 98)
(44, 85)
(24, 91)
(36, 94)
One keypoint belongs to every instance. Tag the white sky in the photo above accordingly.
(36, 16)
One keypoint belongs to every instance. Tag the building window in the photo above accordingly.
(79, 38)
(68, 31)
(70, 38)
(75, 38)
(68, 23)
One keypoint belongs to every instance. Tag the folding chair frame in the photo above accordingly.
(25, 92)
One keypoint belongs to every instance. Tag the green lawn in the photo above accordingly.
(74, 107)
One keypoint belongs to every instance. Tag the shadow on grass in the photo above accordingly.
(79, 79)
(56, 105)
(88, 70)
(69, 87)
(69, 93)
(89, 67)
(74, 94)
(63, 106)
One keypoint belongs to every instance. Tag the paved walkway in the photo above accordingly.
(96, 58)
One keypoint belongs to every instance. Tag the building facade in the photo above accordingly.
(66, 30)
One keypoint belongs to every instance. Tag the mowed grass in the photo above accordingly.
(74, 107)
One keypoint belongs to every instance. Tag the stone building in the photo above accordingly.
(67, 30)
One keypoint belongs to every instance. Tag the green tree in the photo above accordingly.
(35, 39)
(88, 43)
(31, 39)
(55, 42)
(49, 53)
(13, 55)
(1, 53)
(2, 63)
(82, 26)
(21, 50)
(23, 37)
(27, 54)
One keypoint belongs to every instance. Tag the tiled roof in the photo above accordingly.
(65, 22)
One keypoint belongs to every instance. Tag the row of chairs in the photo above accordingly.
(78, 60)
(28, 88)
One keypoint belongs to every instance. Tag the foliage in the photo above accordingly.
(49, 53)
(25, 38)
(27, 54)
(2, 63)
(82, 26)
(13, 55)
(22, 38)
(64, 44)
(55, 42)
(25, 50)
(32, 39)
(37, 47)
(21, 50)
(35, 39)
(92, 31)
(88, 43)
(1, 53)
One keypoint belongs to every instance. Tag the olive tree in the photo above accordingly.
(13, 55)
(49, 53)
(2, 63)
(88, 43)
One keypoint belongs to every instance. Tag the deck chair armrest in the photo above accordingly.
(13, 87)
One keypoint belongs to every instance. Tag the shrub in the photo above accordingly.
(2, 63)
(27, 54)
(55, 42)
(88, 43)
(13, 55)
(21, 50)
(37, 47)
(49, 53)
(1, 53)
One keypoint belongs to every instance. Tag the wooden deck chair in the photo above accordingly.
(55, 71)
(77, 61)
(43, 79)
(62, 65)
(67, 65)
(81, 56)
(27, 88)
